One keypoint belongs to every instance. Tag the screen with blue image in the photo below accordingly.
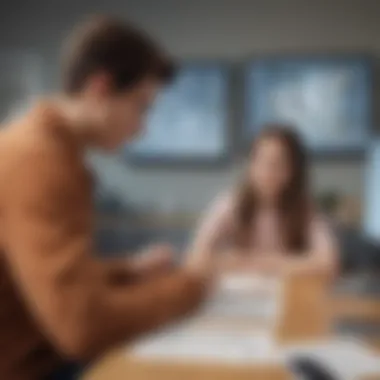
(328, 100)
(189, 118)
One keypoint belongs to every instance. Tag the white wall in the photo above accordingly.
(217, 29)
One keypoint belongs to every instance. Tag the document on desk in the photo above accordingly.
(235, 347)
(245, 296)
(235, 299)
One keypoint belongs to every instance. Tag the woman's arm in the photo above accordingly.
(320, 257)
(213, 237)
(323, 251)
(213, 230)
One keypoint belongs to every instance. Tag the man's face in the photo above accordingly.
(120, 116)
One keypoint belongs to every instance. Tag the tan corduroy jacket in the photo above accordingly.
(56, 300)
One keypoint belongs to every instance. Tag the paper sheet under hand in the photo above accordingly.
(237, 298)
(245, 296)
(252, 297)
(344, 359)
(233, 347)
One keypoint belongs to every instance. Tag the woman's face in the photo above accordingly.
(270, 169)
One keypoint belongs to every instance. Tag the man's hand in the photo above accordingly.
(150, 262)
(203, 266)
(153, 260)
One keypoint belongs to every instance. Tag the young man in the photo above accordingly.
(57, 301)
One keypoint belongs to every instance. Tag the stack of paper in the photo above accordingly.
(212, 345)
(216, 333)
(251, 297)
(239, 296)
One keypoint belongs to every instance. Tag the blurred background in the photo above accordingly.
(144, 195)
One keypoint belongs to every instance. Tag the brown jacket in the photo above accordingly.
(56, 302)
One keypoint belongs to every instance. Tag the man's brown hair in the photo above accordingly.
(113, 46)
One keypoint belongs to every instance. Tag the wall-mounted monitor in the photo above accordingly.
(328, 99)
(189, 123)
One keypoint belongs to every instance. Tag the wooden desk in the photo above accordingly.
(304, 318)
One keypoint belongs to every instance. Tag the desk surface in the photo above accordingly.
(306, 316)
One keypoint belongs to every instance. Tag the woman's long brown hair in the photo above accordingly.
(293, 204)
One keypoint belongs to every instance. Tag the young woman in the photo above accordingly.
(269, 223)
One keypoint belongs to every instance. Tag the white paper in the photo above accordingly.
(344, 359)
(246, 296)
(251, 297)
(236, 347)
(236, 298)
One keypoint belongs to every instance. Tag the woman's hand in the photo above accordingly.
(257, 262)
(270, 263)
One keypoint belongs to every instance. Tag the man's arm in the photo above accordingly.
(48, 239)
(152, 261)
(321, 255)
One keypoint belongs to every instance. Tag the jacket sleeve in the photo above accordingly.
(49, 250)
